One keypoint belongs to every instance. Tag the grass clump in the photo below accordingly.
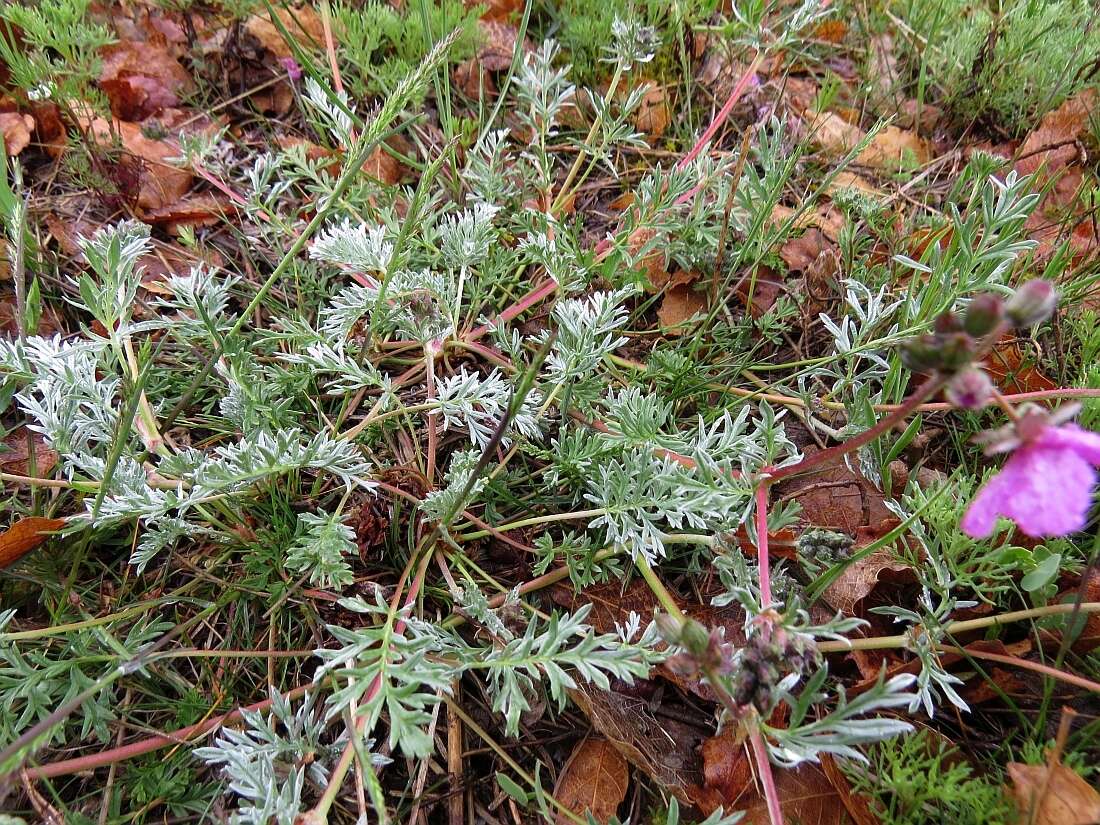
(1010, 62)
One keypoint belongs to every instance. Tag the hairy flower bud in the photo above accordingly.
(1032, 303)
(921, 354)
(946, 323)
(956, 351)
(983, 315)
(971, 389)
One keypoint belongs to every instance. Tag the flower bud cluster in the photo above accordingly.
(820, 549)
(955, 340)
(770, 654)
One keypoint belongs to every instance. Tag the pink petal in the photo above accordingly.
(1084, 442)
(1050, 491)
(981, 515)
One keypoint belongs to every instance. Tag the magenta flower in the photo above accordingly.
(1046, 484)
(293, 70)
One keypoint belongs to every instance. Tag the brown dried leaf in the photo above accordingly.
(653, 115)
(664, 750)
(17, 130)
(890, 148)
(25, 535)
(497, 9)
(203, 209)
(499, 44)
(828, 220)
(383, 167)
(142, 79)
(1013, 371)
(1052, 144)
(16, 456)
(806, 796)
(653, 264)
(681, 302)
(303, 24)
(798, 253)
(1058, 796)
(837, 498)
(472, 79)
(727, 771)
(160, 182)
(860, 578)
(593, 779)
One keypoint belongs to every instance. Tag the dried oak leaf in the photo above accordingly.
(303, 24)
(1052, 144)
(202, 209)
(760, 293)
(142, 79)
(1013, 371)
(593, 781)
(496, 9)
(15, 457)
(681, 302)
(860, 578)
(25, 535)
(798, 253)
(727, 771)
(828, 219)
(1056, 795)
(17, 130)
(837, 498)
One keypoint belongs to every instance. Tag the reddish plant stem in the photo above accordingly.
(925, 391)
(723, 113)
(177, 737)
(767, 778)
(529, 300)
(762, 544)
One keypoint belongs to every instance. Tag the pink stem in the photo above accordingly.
(767, 778)
(723, 113)
(153, 743)
(519, 307)
(762, 543)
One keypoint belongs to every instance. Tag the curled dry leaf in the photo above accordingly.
(727, 772)
(593, 781)
(142, 79)
(17, 130)
(203, 209)
(303, 24)
(860, 578)
(25, 535)
(1053, 795)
